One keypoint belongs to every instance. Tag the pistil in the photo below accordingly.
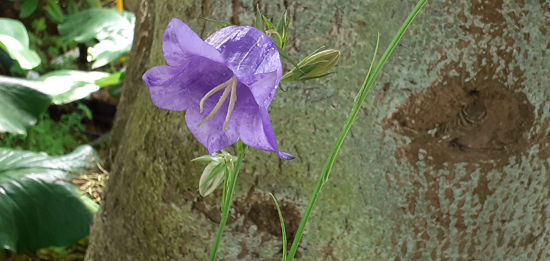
(228, 87)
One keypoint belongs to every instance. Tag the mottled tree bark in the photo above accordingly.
(449, 158)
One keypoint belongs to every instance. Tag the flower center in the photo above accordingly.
(228, 87)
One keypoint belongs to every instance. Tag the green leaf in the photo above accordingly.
(28, 7)
(21, 103)
(84, 109)
(115, 91)
(15, 41)
(54, 11)
(113, 29)
(39, 25)
(67, 86)
(112, 79)
(38, 208)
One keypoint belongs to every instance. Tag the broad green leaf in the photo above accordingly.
(67, 86)
(28, 7)
(38, 207)
(15, 41)
(113, 29)
(21, 102)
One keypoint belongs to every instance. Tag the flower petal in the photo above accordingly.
(252, 56)
(163, 86)
(256, 131)
(177, 88)
(211, 133)
(261, 86)
(179, 42)
(253, 125)
(248, 121)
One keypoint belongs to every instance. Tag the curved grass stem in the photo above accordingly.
(359, 99)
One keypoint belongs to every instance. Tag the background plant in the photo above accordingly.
(46, 76)
(50, 136)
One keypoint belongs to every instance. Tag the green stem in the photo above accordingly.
(367, 85)
(228, 197)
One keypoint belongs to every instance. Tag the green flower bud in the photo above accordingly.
(314, 66)
(214, 173)
(211, 177)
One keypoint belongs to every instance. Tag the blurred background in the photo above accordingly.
(62, 63)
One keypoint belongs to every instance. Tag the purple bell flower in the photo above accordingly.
(225, 83)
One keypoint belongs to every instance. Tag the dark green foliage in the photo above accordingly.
(28, 8)
(54, 11)
(55, 138)
(14, 40)
(113, 29)
(20, 104)
(38, 207)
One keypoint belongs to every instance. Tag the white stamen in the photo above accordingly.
(211, 92)
(230, 86)
(231, 106)
(217, 107)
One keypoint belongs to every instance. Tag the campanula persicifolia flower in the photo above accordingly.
(224, 83)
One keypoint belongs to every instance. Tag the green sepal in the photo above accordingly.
(268, 23)
(204, 158)
(211, 178)
(259, 19)
(282, 29)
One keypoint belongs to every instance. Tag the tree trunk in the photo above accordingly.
(449, 158)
